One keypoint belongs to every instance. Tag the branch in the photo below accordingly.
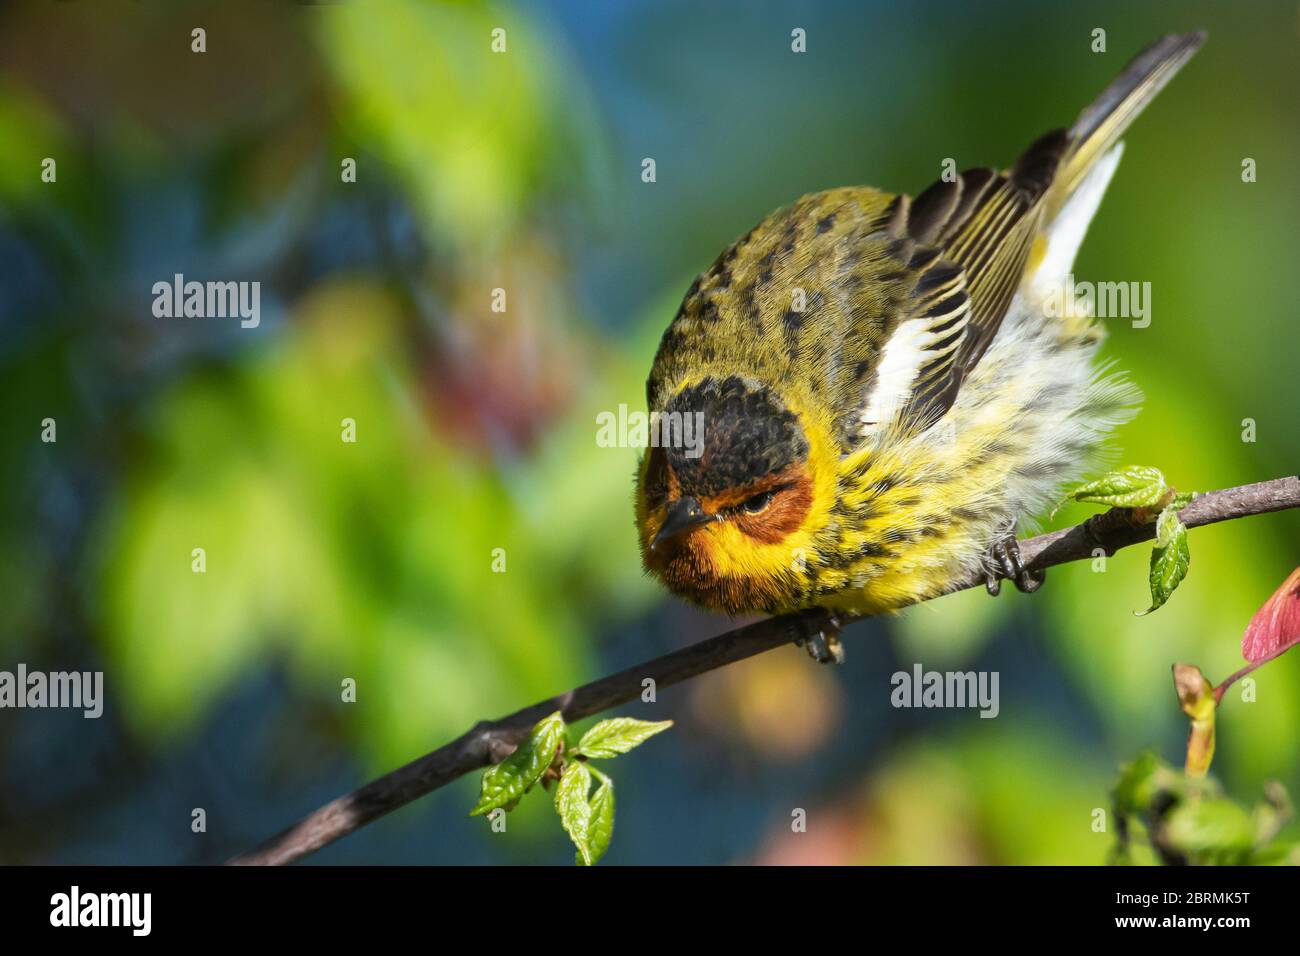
(490, 741)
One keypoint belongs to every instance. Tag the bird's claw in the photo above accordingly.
(820, 638)
(1005, 563)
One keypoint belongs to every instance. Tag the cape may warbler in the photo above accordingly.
(886, 391)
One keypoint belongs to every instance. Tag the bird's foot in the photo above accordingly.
(820, 637)
(1004, 555)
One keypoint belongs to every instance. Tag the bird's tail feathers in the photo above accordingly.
(1100, 126)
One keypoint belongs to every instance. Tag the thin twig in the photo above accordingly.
(492, 740)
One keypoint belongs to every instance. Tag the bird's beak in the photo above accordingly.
(683, 515)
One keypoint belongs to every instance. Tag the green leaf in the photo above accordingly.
(506, 782)
(1140, 782)
(1210, 826)
(1272, 813)
(1182, 499)
(1137, 486)
(601, 828)
(609, 738)
(574, 810)
(1169, 558)
(1277, 853)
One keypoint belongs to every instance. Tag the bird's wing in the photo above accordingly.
(983, 225)
(922, 345)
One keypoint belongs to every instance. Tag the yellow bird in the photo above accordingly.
(885, 387)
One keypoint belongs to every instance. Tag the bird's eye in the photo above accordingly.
(756, 504)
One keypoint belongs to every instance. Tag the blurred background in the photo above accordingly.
(475, 429)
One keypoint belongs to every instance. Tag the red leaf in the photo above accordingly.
(1275, 626)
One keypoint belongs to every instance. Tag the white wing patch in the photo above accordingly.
(899, 363)
(920, 349)
(1065, 233)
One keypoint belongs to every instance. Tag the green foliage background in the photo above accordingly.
(476, 429)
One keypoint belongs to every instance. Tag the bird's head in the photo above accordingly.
(722, 520)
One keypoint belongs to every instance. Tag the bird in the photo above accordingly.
(886, 391)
